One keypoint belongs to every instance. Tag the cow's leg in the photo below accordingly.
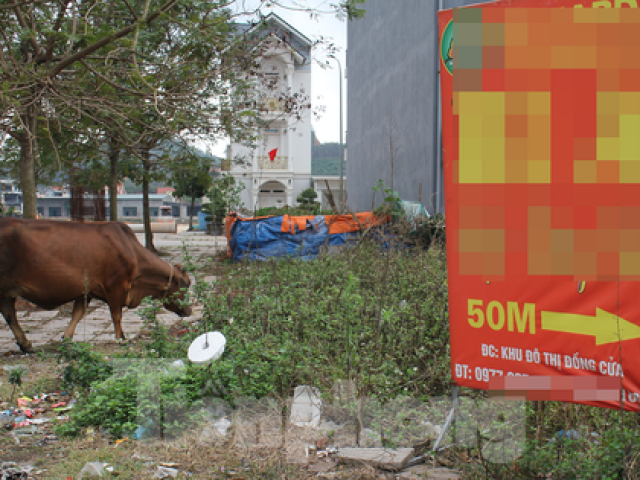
(8, 309)
(79, 309)
(116, 315)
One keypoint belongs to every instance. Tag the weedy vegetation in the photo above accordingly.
(371, 319)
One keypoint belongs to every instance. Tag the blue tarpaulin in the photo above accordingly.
(260, 239)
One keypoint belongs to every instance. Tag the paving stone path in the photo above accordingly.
(42, 327)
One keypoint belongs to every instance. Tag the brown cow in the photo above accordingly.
(51, 263)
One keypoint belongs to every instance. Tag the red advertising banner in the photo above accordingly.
(541, 151)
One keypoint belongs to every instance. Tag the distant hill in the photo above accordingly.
(131, 187)
(325, 159)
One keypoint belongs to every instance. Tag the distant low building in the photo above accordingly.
(10, 196)
(55, 202)
(129, 207)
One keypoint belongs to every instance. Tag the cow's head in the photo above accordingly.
(175, 295)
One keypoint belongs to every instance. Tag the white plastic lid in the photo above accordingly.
(207, 347)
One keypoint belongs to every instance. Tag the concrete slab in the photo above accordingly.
(39, 337)
(44, 315)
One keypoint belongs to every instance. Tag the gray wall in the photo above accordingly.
(392, 67)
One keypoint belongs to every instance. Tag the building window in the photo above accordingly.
(278, 191)
(55, 211)
(129, 211)
(153, 211)
(272, 72)
(40, 211)
(265, 191)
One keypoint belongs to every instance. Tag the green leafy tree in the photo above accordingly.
(102, 65)
(192, 180)
(307, 198)
(44, 52)
(224, 196)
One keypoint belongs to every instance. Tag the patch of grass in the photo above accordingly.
(82, 451)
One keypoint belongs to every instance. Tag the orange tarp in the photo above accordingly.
(336, 223)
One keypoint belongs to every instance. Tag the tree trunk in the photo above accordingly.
(146, 217)
(332, 203)
(27, 157)
(193, 202)
(114, 158)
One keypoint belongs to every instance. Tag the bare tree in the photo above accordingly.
(393, 161)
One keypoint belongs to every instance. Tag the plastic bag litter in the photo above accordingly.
(92, 470)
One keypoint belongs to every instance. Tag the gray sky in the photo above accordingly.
(325, 87)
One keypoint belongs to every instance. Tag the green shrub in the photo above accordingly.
(166, 400)
(80, 365)
(380, 317)
(299, 211)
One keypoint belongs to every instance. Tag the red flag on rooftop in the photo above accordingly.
(272, 154)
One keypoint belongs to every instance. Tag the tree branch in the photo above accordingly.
(14, 5)
(49, 53)
(131, 10)
(23, 24)
(113, 84)
(108, 39)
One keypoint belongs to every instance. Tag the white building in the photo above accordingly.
(277, 179)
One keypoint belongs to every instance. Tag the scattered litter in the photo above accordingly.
(140, 432)
(166, 472)
(222, 425)
(24, 402)
(6, 421)
(13, 471)
(169, 464)
(39, 421)
(433, 431)
(310, 450)
(27, 430)
(178, 364)
(563, 435)
(92, 470)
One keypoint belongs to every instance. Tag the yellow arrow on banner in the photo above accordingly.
(603, 326)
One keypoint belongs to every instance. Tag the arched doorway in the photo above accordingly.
(272, 194)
